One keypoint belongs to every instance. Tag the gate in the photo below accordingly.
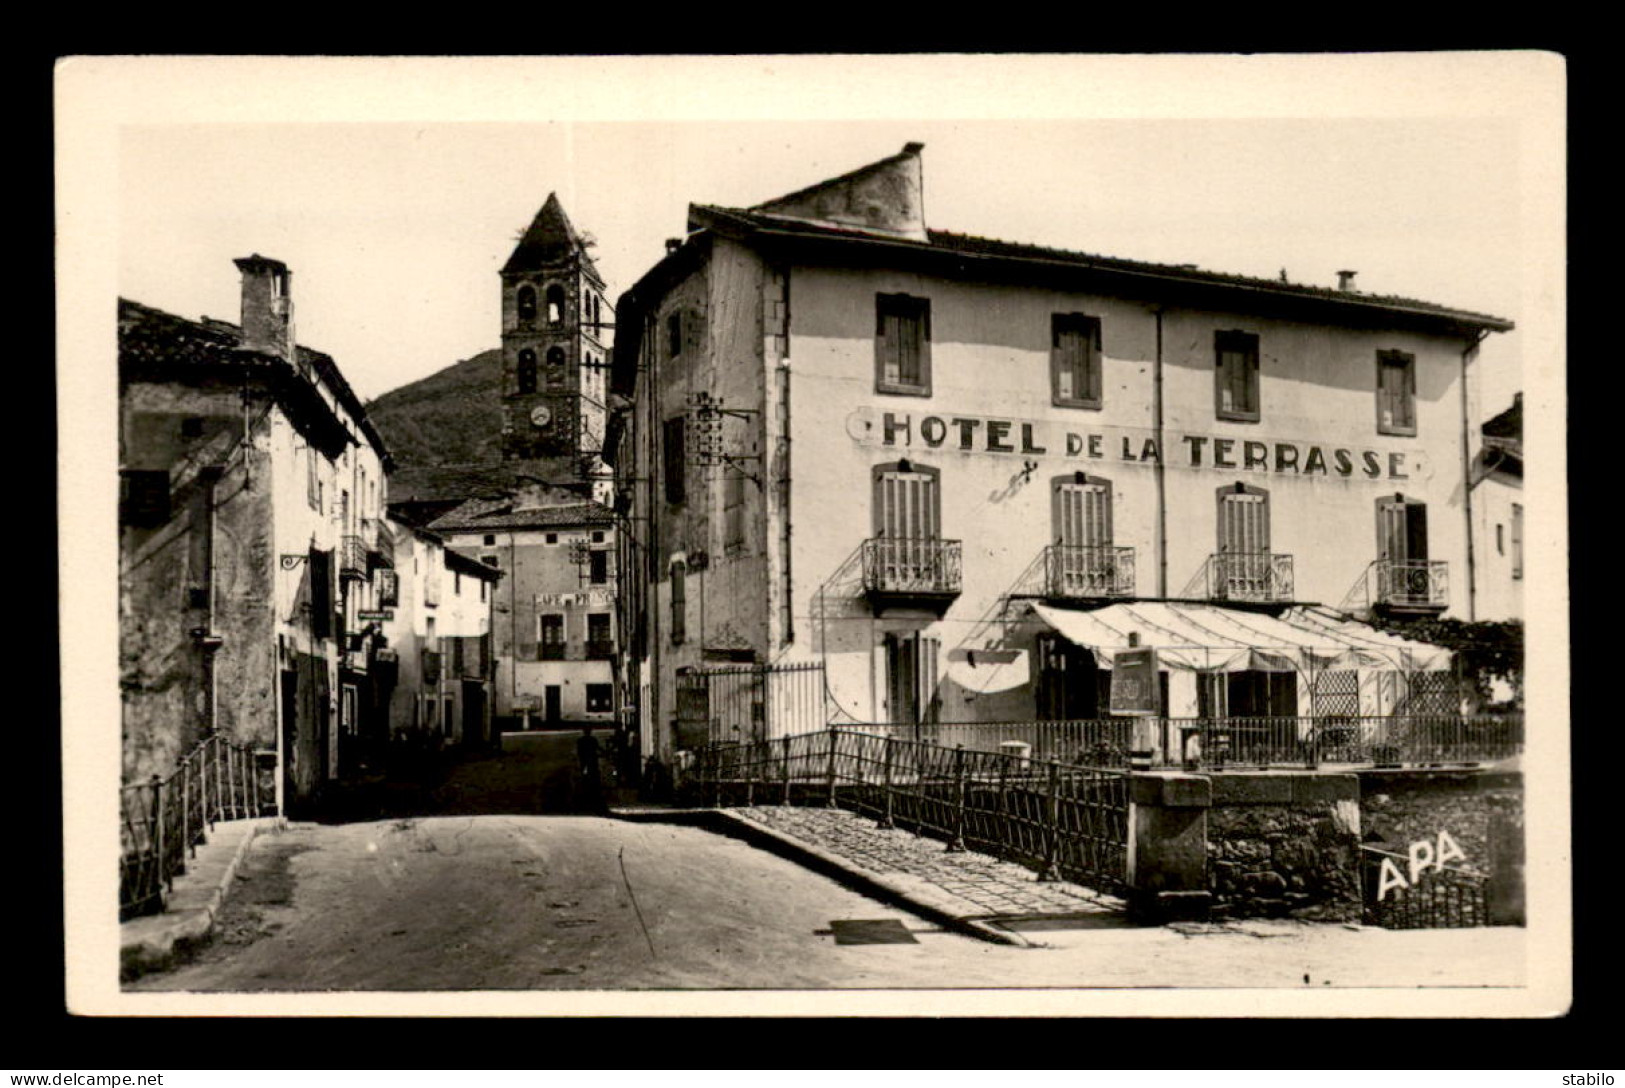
(741, 704)
(1440, 898)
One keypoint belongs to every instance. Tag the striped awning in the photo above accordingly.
(1208, 638)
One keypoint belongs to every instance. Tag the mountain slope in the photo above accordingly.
(452, 417)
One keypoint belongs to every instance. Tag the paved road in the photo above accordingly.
(560, 902)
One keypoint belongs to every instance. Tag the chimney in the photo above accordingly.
(267, 318)
(1345, 280)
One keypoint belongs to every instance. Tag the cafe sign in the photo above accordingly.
(1031, 439)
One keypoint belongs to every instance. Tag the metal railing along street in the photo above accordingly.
(164, 819)
(1065, 820)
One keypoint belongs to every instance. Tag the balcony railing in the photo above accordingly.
(1415, 584)
(1081, 572)
(550, 651)
(353, 558)
(1249, 576)
(601, 649)
(920, 570)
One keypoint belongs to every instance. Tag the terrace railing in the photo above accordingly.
(1245, 576)
(164, 819)
(923, 568)
(1410, 583)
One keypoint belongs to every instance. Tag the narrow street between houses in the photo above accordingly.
(482, 902)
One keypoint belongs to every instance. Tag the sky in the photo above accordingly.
(395, 223)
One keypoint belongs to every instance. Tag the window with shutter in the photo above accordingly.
(1244, 562)
(903, 345)
(1517, 540)
(1396, 393)
(1084, 560)
(1236, 376)
(675, 462)
(908, 525)
(1075, 360)
(679, 602)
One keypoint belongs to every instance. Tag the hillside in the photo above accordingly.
(449, 418)
(445, 433)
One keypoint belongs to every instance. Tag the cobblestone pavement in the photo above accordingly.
(985, 886)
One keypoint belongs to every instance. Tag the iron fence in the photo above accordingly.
(1355, 739)
(742, 703)
(1098, 742)
(1439, 899)
(1065, 820)
(164, 819)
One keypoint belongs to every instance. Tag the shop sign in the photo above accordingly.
(1134, 682)
(1033, 439)
(589, 597)
(380, 614)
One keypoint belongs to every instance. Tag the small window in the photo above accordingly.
(679, 602)
(1236, 376)
(1075, 360)
(552, 538)
(1517, 540)
(525, 302)
(733, 511)
(598, 627)
(598, 698)
(490, 539)
(527, 371)
(555, 305)
(675, 462)
(552, 637)
(598, 567)
(1500, 539)
(555, 366)
(457, 583)
(192, 427)
(598, 536)
(144, 502)
(674, 334)
(903, 345)
(1396, 393)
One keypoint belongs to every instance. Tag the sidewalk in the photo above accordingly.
(154, 941)
(974, 893)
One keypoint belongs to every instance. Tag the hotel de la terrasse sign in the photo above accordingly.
(1031, 439)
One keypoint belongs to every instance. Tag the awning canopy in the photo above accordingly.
(1206, 638)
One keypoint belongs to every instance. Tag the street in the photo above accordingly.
(587, 903)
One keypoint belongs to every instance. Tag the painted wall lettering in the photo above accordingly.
(1422, 856)
(1135, 445)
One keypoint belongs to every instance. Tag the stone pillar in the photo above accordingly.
(1167, 846)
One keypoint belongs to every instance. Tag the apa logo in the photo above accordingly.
(1424, 855)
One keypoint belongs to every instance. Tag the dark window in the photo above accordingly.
(1396, 393)
(527, 371)
(1402, 530)
(320, 565)
(192, 427)
(902, 344)
(1236, 376)
(144, 498)
(598, 536)
(674, 334)
(598, 567)
(1075, 360)
(552, 538)
(525, 301)
(555, 305)
(679, 602)
(555, 366)
(675, 461)
(490, 538)
(552, 637)
(598, 627)
(911, 677)
(598, 698)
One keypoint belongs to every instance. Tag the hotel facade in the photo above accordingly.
(956, 475)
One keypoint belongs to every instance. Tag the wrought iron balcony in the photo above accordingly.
(1410, 585)
(600, 649)
(912, 571)
(353, 558)
(550, 651)
(1078, 572)
(1249, 576)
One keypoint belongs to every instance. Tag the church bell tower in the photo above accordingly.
(554, 322)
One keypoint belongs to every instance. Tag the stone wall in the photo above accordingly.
(1285, 846)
